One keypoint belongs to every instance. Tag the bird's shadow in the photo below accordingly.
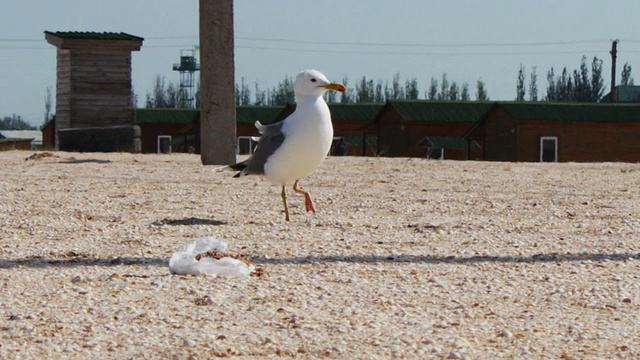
(84, 161)
(85, 260)
(188, 221)
(77, 261)
(452, 259)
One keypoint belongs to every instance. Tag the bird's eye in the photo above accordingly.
(313, 80)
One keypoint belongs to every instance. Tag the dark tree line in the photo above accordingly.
(625, 78)
(579, 85)
(15, 122)
(585, 84)
(169, 95)
(366, 90)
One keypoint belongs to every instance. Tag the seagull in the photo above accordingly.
(294, 148)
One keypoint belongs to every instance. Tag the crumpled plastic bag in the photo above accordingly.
(184, 262)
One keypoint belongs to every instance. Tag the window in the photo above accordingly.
(338, 147)
(435, 153)
(548, 149)
(246, 145)
(164, 144)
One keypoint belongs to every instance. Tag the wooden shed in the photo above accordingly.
(7, 143)
(353, 130)
(416, 128)
(563, 132)
(167, 130)
(177, 130)
(93, 87)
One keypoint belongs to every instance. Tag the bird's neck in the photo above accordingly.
(308, 99)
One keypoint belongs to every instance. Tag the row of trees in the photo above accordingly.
(365, 91)
(580, 85)
(15, 122)
(585, 84)
(169, 95)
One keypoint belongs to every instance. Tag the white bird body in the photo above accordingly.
(294, 148)
(308, 135)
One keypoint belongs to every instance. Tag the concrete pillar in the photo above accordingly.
(217, 83)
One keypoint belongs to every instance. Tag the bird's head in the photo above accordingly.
(313, 82)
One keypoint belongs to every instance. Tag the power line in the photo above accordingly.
(19, 40)
(24, 48)
(348, 43)
(172, 37)
(396, 44)
(363, 43)
(360, 52)
(357, 52)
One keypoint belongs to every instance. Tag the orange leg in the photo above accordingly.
(307, 198)
(284, 201)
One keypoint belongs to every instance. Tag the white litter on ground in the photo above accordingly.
(184, 262)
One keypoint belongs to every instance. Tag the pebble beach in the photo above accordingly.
(404, 258)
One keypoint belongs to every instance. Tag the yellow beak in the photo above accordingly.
(335, 87)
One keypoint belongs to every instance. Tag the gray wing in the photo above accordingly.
(271, 139)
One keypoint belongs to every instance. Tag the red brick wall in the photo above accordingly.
(582, 142)
(149, 134)
(21, 144)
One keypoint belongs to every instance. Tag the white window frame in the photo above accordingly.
(555, 140)
(251, 141)
(429, 149)
(334, 141)
(160, 137)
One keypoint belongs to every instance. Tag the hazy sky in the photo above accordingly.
(466, 39)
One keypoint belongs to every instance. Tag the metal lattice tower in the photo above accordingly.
(187, 68)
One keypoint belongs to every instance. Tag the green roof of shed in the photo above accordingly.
(427, 110)
(244, 114)
(2, 140)
(93, 35)
(352, 111)
(345, 112)
(576, 112)
(264, 114)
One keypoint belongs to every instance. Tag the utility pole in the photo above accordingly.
(614, 56)
(217, 85)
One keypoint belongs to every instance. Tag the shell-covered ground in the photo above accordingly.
(404, 258)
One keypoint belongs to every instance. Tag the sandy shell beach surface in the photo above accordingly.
(405, 258)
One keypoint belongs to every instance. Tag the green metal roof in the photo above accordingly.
(165, 116)
(339, 112)
(244, 114)
(92, 35)
(453, 111)
(352, 111)
(346, 112)
(13, 139)
(577, 112)
(265, 114)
